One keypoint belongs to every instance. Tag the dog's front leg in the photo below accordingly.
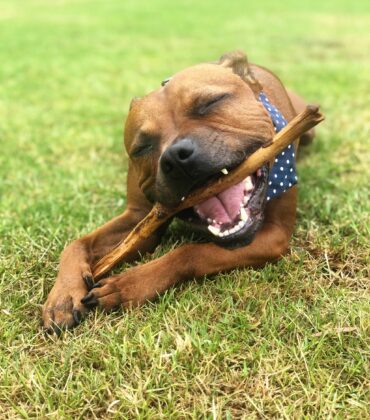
(63, 308)
(145, 282)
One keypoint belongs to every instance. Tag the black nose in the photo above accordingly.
(180, 159)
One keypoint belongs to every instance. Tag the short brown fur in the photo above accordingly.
(167, 111)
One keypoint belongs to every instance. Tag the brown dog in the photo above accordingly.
(206, 119)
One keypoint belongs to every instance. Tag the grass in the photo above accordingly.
(286, 341)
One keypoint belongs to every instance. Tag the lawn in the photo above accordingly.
(288, 341)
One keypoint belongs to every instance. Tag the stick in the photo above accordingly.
(159, 213)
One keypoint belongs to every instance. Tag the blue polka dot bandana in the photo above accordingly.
(282, 174)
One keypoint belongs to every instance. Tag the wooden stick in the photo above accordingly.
(159, 213)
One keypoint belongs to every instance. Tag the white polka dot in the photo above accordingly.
(295, 178)
(274, 191)
(290, 184)
(286, 176)
(270, 182)
(293, 154)
(291, 169)
(276, 160)
(284, 190)
(275, 176)
(281, 168)
(281, 184)
(283, 153)
(289, 146)
(268, 198)
(287, 161)
(269, 108)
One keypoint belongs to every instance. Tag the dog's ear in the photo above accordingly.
(238, 62)
(133, 102)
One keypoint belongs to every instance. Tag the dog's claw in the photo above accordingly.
(54, 329)
(90, 300)
(48, 331)
(77, 316)
(88, 279)
(97, 285)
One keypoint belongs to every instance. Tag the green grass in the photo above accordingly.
(286, 341)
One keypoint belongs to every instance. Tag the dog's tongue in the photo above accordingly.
(224, 207)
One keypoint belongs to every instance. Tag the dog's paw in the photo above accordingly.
(128, 290)
(63, 308)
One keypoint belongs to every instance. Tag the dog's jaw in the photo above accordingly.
(232, 218)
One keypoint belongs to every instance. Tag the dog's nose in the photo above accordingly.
(180, 159)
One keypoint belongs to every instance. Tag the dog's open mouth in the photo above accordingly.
(233, 217)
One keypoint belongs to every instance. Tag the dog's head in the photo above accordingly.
(202, 122)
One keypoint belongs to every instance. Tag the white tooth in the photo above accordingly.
(224, 171)
(246, 199)
(221, 234)
(209, 220)
(241, 224)
(233, 230)
(248, 183)
(243, 214)
(214, 230)
(226, 233)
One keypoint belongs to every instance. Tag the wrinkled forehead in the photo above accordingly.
(201, 77)
(188, 84)
(158, 110)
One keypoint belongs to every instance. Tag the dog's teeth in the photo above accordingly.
(248, 184)
(246, 199)
(224, 171)
(243, 214)
(214, 230)
(241, 224)
(209, 220)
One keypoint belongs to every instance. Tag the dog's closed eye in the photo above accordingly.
(204, 105)
(145, 144)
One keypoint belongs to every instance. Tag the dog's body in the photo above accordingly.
(204, 119)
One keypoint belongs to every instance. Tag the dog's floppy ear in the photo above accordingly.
(238, 62)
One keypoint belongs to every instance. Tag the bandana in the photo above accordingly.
(282, 174)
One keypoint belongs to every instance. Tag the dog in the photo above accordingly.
(199, 124)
